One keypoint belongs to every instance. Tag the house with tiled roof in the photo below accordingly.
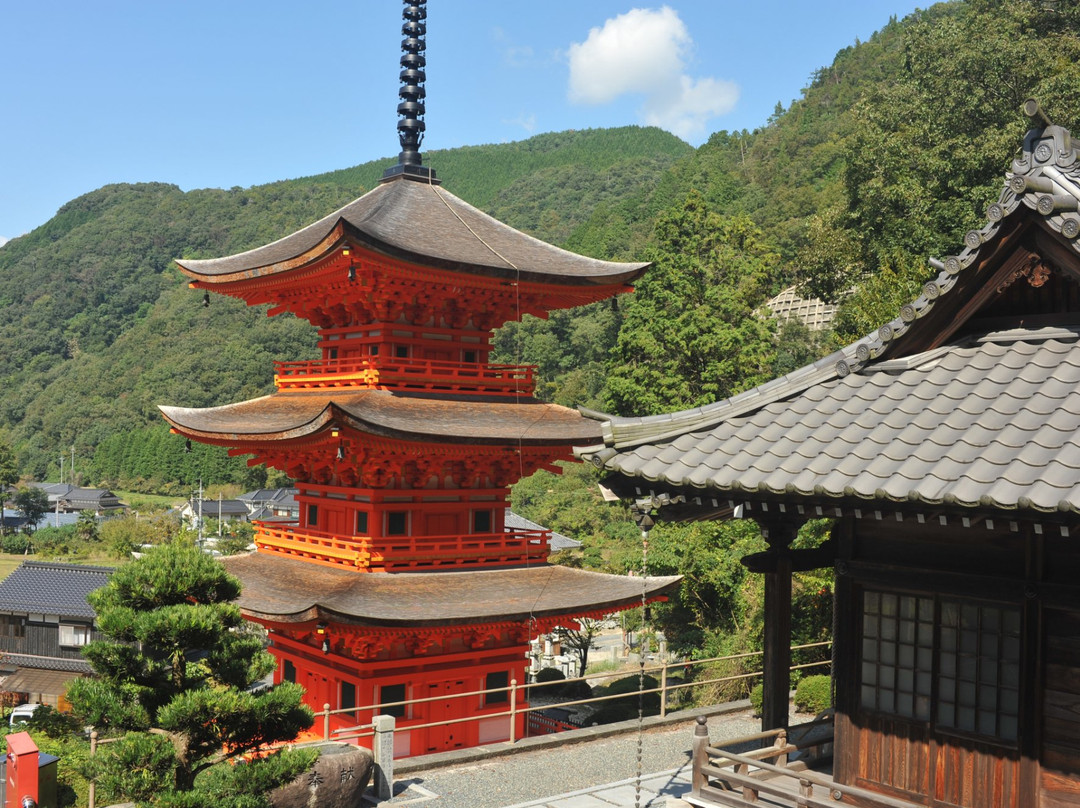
(45, 621)
(68, 498)
(943, 446)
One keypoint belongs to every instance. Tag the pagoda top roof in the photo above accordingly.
(425, 225)
(286, 416)
(292, 591)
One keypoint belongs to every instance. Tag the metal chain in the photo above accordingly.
(641, 663)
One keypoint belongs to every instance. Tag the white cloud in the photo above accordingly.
(644, 52)
(3, 241)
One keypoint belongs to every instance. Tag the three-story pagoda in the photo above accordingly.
(400, 580)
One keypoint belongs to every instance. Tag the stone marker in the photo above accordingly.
(339, 778)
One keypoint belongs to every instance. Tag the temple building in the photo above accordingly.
(943, 446)
(400, 580)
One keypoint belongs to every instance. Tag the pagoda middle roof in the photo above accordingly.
(285, 416)
(426, 225)
(293, 591)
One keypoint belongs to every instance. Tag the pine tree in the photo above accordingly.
(172, 689)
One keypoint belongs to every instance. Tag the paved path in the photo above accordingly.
(600, 773)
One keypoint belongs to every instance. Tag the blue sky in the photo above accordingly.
(238, 93)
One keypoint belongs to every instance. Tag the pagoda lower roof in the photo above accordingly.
(287, 591)
(388, 414)
(427, 226)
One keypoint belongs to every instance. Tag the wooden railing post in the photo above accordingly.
(781, 742)
(326, 721)
(513, 711)
(663, 690)
(701, 756)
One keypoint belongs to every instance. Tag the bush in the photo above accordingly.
(550, 675)
(757, 696)
(56, 541)
(814, 694)
(15, 543)
(577, 689)
(629, 685)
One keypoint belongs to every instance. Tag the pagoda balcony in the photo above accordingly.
(405, 374)
(404, 553)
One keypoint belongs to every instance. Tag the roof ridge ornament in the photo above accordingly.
(410, 110)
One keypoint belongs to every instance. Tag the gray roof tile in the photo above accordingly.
(39, 586)
(985, 421)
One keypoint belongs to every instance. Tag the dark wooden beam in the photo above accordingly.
(776, 643)
(776, 678)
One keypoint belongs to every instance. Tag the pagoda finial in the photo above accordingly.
(410, 123)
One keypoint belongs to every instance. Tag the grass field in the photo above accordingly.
(146, 503)
(9, 562)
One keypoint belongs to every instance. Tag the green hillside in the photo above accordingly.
(889, 155)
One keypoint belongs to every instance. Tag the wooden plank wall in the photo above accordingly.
(974, 775)
(1060, 753)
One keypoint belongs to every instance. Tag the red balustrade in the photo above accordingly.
(404, 553)
(405, 374)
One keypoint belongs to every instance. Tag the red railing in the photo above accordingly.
(402, 553)
(405, 374)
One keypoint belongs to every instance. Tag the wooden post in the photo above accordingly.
(663, 690)
(91, 789)
(776, 661)
(326, 721)
(781, 743)
(776, 674)
(700, 756)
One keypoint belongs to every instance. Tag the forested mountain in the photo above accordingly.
(888, 156)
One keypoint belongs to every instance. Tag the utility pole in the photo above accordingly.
(200, 514)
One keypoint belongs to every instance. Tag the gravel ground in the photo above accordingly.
(528, 776)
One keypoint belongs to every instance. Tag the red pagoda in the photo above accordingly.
(400, 581)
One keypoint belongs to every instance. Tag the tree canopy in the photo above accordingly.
(173, 688)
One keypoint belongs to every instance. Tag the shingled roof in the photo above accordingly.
(286, 415)
(297, 591)
(937, 407)
(43, 587)
(426, 225)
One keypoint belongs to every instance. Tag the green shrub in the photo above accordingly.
(550, 675)
(757, 696)
(629, 686)
(49, 542)
(15, 543)
(577, 689)
(814, 694)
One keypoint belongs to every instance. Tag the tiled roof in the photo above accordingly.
(44, 663)
(427, 225)
(991, 422)
(39, 586)
(559, 542)
(380, 412)
(297, 591)
(910, 413)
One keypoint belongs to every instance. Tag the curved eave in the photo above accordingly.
(428, 227)
(287, 591)
(292, 416)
